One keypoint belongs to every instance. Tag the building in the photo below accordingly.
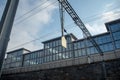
(55, 59)
(15, 58)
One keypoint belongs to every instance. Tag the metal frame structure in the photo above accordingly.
(79, 23)
(66, 5)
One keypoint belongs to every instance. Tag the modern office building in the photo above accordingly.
(55, 59)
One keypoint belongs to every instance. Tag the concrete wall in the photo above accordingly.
(79, 72)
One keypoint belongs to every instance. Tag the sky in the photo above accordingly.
(39, 20)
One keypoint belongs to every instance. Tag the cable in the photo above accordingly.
(38, 38)
(30, 10)
(94, 19)
(46, 35)
(46, 7)
(34, 14)
(43, 36)
(95, 15)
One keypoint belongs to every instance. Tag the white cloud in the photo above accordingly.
(96, 28)
(111, 15)
(111, 11)
(29, 29)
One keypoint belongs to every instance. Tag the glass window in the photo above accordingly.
(116, 35)
(117, 43)
(57, 57)
(19, 53)
(63, 49)
(103, 39)
(53, 44)
(50, 44)
(106, 47)
(63, 55)
(47, 45)
(84, 51)
(82, 44)
(48, 59)
(76, 53)
(53, 57)
(54, 50)
(60, 56)
(45, 58)
(75, 46)
(46, 51)
(60, 48)
(39, 54)
(68, 39)
(88, 43)
(70, 53)
(19, 58)
(59, 42)
(115, 27)
(66, 55)
(79, 53)
(95, 50)
(92, 50)
(69, 46)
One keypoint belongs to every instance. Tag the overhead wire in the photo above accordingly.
(41, 36)
(106, 11)
(38, 12)
(46, 35)
(35, 13)
(33, 9)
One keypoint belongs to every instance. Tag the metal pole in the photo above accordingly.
(61, 10)
(3, 17)
(7, 22)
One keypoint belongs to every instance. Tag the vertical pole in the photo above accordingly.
(61, 18)
(7, 22)
(3, 17)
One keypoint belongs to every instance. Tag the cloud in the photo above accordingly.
(111, 11)
(111, 15)
(29, 29)
(96, 28)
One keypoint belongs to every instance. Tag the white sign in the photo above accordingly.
(64, 42)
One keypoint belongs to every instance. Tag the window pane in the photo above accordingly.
(76, 53)
(115, 27)
(117, 43)
(116, 35)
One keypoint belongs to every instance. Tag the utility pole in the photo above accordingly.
(3, 17)
(6, 27)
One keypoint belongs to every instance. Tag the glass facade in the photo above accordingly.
(114, 28)
(53, 50)
(33, 58)
(85, 47)
(14, 59)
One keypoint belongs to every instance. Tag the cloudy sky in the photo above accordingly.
(38, 20)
